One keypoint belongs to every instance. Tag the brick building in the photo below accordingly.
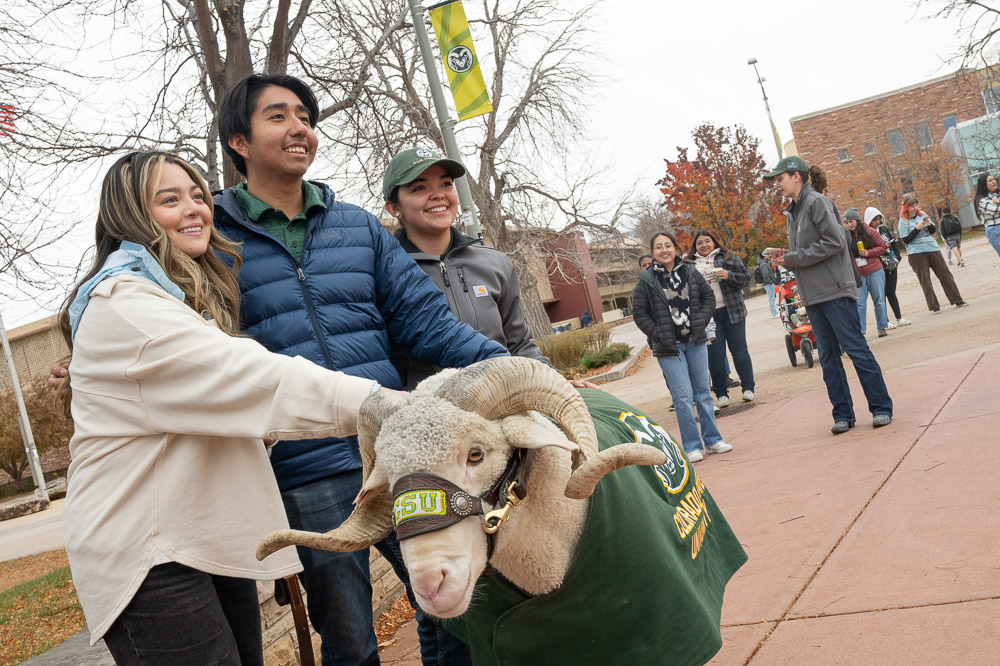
(572, 278)
(882, 142)
(35, 347)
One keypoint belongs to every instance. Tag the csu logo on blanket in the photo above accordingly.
(675, 472)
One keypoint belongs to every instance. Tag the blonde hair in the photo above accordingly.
(910, 199)
(208, 283)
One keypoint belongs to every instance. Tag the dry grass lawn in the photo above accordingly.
(38, 606)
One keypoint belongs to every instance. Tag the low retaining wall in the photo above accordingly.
(280, 642)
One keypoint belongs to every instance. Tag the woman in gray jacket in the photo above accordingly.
(479, 282)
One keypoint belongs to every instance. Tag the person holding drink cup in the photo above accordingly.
(727, 276)
(866, 248)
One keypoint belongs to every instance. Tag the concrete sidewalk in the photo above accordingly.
(876, 546)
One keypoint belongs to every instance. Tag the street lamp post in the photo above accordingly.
(774, 130)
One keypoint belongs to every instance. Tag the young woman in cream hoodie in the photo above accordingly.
(170, 489)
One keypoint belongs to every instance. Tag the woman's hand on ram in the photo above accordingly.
(583, 383)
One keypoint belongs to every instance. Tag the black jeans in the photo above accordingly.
(891, 277)
(181, 615)
(733, 334)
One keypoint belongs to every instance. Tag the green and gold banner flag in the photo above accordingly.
(464, 77)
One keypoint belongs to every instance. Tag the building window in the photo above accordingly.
(843, 155)
(991, 99)
(923, 131)
(949, 122)
(869, 149)
(896, 141)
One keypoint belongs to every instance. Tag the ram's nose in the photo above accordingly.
(430, 584)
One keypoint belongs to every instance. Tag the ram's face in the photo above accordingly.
(469, 451)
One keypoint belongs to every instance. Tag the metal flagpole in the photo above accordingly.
(774, 128)
(22, 420)
(446, 123)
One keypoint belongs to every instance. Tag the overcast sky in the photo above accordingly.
(671, 65)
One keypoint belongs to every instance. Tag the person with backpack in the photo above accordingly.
(890, 262)
(867, 247)
(951, 233)
(767, 277)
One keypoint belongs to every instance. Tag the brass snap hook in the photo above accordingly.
(493, 519)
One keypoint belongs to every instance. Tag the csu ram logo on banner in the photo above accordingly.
(461, 64)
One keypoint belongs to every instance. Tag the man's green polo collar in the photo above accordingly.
(255, 208)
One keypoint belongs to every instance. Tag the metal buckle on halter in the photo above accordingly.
(493, 519)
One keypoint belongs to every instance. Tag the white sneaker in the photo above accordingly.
(890, 326)
(747, 395)
(724, 401)
(715, 409)
(718, 447)
(903, 322)
(696, 455)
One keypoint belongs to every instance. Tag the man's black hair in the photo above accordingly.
(240, 101)
(645, 256)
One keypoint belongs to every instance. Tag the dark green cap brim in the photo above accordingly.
(788, 165)
(408, 165)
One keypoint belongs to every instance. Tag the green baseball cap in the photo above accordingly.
(788, 164)
(407, 166)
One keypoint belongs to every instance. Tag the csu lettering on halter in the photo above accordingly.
(418, 503)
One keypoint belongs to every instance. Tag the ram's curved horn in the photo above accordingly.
(500, 387)
(371, 521)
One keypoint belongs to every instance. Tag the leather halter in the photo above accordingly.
(426, 503)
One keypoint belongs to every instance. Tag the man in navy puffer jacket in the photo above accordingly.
(322, 279)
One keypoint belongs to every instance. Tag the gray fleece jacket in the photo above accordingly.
(482, 290)
(817, 250)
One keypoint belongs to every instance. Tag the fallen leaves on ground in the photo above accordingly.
(394, 617)
(37, 615)
(23, 569)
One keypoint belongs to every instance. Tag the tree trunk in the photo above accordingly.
(531, 303)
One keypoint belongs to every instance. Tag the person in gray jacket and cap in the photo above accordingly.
(818, 254)
(479, 282)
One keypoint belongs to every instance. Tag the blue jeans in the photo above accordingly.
(687, 381)
(769, 288)
(339, 584)
(873, 284)
(835, 325)
(735, 335)
(180, 615)
(993, 236)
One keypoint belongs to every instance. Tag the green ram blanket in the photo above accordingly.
(646, 586)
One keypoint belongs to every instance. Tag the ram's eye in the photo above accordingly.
(476, 456)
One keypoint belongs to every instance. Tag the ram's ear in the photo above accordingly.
(534, 432)
(377, 482)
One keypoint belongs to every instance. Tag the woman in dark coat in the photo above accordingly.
(727, 276)
(673, 305)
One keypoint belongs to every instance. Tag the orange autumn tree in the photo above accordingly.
(723, 191)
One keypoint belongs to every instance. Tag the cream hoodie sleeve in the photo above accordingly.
(191, 378)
